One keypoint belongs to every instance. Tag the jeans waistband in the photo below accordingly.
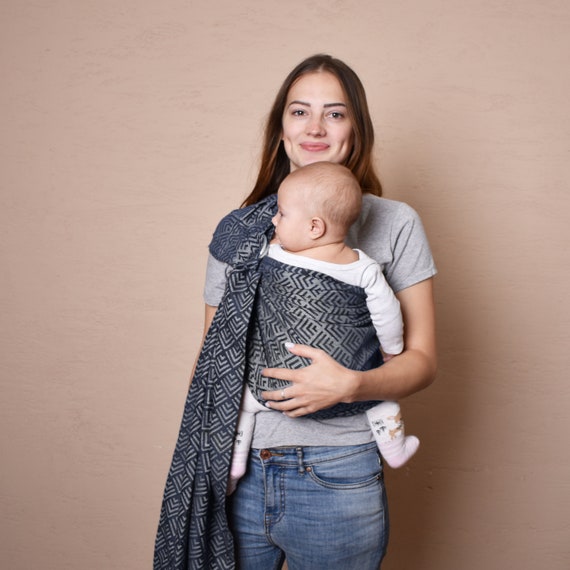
(302, 456)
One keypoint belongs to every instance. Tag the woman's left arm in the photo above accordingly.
(325, 383)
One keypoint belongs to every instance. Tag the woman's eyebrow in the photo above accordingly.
(297, 102)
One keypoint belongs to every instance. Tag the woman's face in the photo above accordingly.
(316, 126)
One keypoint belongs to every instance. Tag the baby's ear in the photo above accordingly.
(318, 228)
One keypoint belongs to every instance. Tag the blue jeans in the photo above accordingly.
(316, 507)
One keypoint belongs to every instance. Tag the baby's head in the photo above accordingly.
(317, 202)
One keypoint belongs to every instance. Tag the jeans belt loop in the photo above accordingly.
(300, 459)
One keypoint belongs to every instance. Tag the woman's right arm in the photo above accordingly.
(208, 318)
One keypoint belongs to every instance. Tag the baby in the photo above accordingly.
(317, 204)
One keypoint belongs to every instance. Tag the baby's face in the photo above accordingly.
(293, 220)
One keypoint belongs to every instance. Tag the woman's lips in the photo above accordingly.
(314, 147)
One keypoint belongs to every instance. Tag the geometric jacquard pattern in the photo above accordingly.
(193, 531)
(303, 306)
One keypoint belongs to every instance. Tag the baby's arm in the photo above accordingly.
(385, 311)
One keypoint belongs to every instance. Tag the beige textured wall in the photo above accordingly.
(129, 128)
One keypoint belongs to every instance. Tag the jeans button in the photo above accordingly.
(265, 454)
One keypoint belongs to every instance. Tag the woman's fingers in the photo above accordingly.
(320, 385)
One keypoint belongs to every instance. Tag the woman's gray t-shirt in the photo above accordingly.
(391, 233)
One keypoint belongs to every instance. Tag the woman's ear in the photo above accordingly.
(318, 228)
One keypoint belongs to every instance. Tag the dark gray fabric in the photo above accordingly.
(193, 531)
(302, 306)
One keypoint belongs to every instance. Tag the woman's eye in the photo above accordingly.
(298, 112)
(336, 115)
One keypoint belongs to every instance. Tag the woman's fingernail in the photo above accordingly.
(289, 345)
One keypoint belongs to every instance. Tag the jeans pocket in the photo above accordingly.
(353, 471)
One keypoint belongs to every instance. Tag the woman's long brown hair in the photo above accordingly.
(275, 164)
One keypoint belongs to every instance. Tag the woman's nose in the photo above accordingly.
(316, 127)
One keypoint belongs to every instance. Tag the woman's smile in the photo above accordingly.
(314, 147)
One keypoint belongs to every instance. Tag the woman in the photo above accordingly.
(313, 493)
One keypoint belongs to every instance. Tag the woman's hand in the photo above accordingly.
(325, 382)
(320, 385)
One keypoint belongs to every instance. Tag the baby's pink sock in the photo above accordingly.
(399, 450)
(388, 428)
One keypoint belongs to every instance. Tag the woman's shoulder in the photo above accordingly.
(380, 214)
(385, 206)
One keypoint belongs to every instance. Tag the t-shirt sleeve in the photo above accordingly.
(412, 260)
(216, 277)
